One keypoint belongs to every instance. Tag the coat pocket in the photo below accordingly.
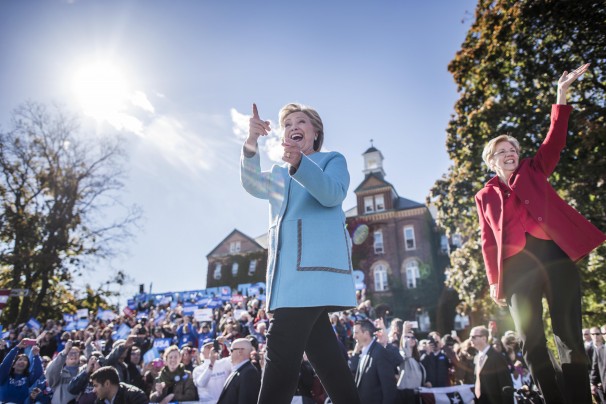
(323, 245)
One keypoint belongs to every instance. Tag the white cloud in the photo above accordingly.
(178, 145)
(123, 121)
(271, 144)
(139, 99)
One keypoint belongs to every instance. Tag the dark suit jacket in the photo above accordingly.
(242, 387)
(495, 375)
(375, 380)
(598, 367)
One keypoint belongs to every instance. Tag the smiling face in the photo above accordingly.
(505, 159)
(172, 360)
(298, 128)
(21, 364)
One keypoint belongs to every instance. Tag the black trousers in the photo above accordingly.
(542, 269)
(291, 332)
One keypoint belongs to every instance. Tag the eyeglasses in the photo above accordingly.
(596, 333)
(409, 337)
(235, 349)
(503, 152)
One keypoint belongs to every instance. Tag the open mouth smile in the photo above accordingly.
(297, 137)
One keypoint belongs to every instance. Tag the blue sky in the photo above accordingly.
(177, 82)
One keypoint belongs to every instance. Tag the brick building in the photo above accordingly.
(397, 247)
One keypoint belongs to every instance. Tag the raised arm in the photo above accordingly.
(566, 80)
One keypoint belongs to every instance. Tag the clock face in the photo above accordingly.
(360, 234)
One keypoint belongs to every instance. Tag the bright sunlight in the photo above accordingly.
(101, 89)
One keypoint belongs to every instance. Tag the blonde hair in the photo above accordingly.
(170, 349)
(489, 149)
(313, 116)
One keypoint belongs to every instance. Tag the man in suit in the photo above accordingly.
(492, 373)
(598, 366)
(371, 365)
(243, 384)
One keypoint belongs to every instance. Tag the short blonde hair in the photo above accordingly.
(170, 349)
(489, 149)
(313, 116)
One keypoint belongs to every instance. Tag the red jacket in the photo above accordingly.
(574, 234)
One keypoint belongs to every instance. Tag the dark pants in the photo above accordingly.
(291, 332)
(543, 269)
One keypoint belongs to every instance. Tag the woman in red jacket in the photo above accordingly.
(531, 239)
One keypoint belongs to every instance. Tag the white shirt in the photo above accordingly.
(210, 381)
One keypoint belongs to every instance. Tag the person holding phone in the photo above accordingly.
(309, 270)
(531, 239)
(210, 376)
(16, 376)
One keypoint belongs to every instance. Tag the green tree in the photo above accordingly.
(56, 189)
(506, 72)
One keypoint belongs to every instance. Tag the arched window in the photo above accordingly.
(380, 275)
(234, 269)
(217, 274)
(412, 274)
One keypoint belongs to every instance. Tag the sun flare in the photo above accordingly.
(100, 88)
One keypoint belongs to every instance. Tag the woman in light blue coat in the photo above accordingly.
(309, 264)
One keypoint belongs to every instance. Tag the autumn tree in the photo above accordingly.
(506, 72)
(59, 193)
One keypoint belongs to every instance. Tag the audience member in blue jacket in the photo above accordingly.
(187, 333)
(16, 375)
(309, 255)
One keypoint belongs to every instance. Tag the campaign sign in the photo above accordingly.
(237, 299)
(203, 314)
(150, 355)
(189, 309)
(34, 324)
(162, 343)
(122, 332)
(82, 313)
(82, 324)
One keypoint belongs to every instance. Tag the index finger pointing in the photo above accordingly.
(255, 111)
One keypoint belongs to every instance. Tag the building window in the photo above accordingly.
(378, 242)
(234, 269)
(217, 274)
(409, 238)
(369, 204)
(234, 247)
(444, 244)
(379, 203)
(456, 240)
(412, 274)
(380, 275)
(252, 267)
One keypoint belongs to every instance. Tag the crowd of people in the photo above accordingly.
(50, 365)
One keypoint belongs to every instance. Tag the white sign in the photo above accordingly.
(203, 315)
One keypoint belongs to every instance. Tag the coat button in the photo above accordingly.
(540, 219)
(526, 201)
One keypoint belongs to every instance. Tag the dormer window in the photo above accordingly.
(369, 205)
(374, 203)
(234, 247)
(379, 203)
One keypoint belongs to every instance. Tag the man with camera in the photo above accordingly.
(210, 376)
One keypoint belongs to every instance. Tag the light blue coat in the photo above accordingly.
(309, 257)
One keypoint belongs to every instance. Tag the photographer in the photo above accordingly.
(210, 376)
(81, 386)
